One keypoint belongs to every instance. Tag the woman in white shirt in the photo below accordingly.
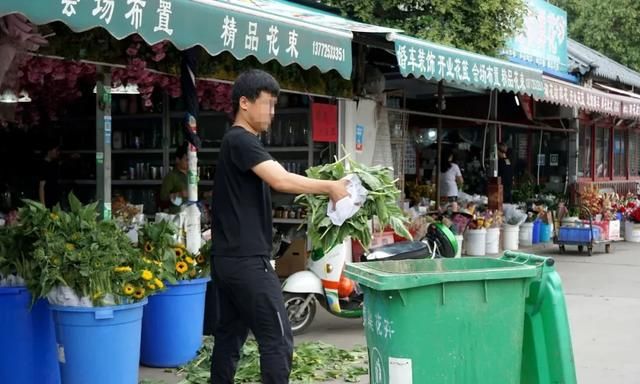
(450, 178)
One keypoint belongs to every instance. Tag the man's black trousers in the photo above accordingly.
(248, 296)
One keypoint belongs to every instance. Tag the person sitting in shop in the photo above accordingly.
(450, 178)
(505, 171)
(174, 185)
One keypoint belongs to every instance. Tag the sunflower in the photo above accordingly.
(138, 293)
(147, 260)
(200, 259)
(146, 275)
(128, 289)
(188, 260)
(181, 267)
(158, 283)
(69, 247)
(148, 247)
(179, 252)
(122, 269)
(192, 273)
(54, 216)
(151, 286)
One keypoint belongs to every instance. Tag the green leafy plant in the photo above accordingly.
(95, 259)
(382, 202)
(313, 362)
(482, 27)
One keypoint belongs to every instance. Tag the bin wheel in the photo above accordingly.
(292, 302)
(580, 248)
(562, 249)
(607, 248)
(590, 251)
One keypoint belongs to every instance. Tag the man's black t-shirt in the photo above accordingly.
(49, 172)
(242, 224)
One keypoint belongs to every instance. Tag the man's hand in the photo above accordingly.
(338, 191)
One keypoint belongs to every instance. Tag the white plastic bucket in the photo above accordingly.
(526, 235)
(510, 237)
(631, 232)
(459, 239)
(475, 242)
(493, 241)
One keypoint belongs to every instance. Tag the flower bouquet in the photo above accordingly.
(186, 276)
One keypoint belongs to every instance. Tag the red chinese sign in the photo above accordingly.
(324, 122)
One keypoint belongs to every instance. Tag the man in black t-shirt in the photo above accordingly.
(49, 176)
(246, 290)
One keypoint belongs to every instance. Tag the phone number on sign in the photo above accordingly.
(328, 51)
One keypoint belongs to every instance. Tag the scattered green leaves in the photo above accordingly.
(313, 362)
(382, 202)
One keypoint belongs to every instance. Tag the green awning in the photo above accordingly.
(436, 62)
(267, 30)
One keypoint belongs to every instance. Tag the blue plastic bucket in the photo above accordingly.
(536, 231)
(99, 345)
(545, 233)
(172, 324)
(27, 339)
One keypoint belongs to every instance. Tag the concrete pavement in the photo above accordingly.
(603, 299)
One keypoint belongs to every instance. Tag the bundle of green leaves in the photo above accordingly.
(382, 202)
(95, 259)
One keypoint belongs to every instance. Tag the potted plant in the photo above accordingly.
(185, 276)
(96, 283)
(25, 327)
(572, 218)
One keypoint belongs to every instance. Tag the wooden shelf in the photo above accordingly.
(120, 182)
(289, 221)
(134, 151)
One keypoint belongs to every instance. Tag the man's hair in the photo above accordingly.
(181, 151)
(250, 84)
(503, 146)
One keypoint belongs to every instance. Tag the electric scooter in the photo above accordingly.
(323, 282)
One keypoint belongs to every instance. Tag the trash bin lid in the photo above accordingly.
(404, 274)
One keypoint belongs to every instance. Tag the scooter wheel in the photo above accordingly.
(292, 303)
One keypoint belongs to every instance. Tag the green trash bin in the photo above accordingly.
(446, 321)
(547, 355)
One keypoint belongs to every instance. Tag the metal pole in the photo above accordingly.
(493, 134)
(479, 120)
(439, 138)
(103, 142)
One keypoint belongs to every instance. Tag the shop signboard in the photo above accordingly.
(282, 31)
(421, 58)
(590, 99)
(543, 40)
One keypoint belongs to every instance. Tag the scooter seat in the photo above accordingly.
(404, 250)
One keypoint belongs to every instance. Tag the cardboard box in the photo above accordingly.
(294, 259)
(610, 229)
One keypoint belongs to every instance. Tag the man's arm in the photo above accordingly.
(272, 173)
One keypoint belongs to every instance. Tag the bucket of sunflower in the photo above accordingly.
(96, 283)
(173, 320)
(27, 335)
